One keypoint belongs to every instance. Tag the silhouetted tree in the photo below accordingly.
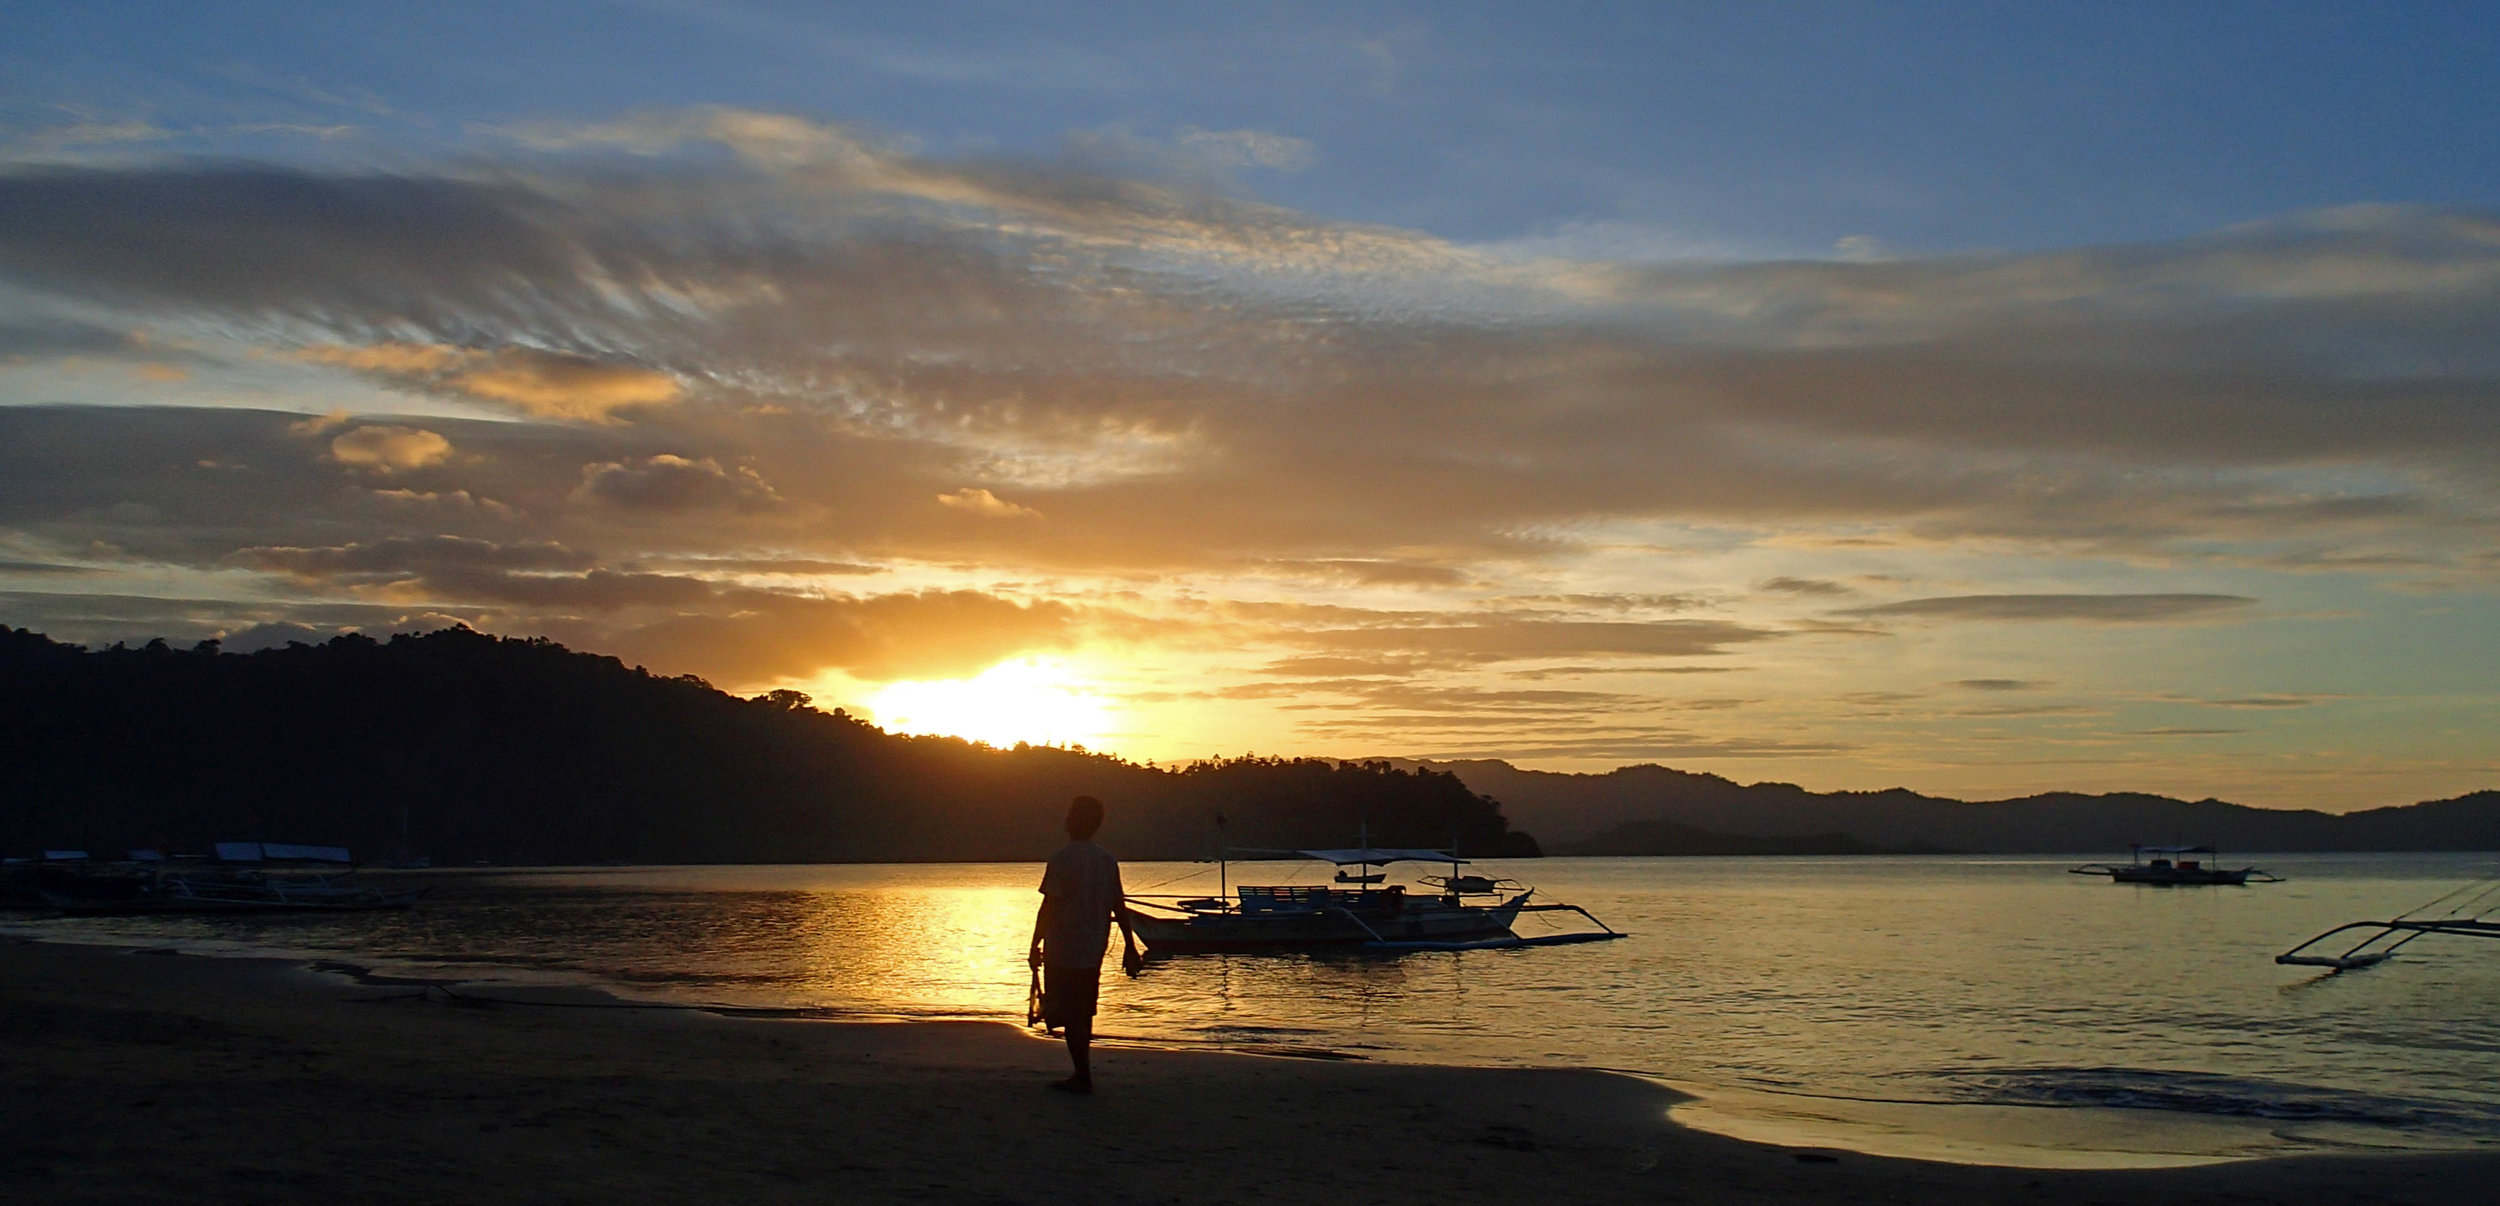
(522, 751)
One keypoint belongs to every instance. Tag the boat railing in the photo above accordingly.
(2466, 913)
(1571, 908)
(2357, 955)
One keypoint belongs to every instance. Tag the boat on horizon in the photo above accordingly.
(1359, 910)
(2175, 866)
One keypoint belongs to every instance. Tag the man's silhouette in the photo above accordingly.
(1081, 899)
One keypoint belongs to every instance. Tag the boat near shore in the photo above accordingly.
(2176, 866)
(243, 877)
(1360, 910)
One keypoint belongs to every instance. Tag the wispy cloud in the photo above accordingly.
(792, 398)
(2099, 609)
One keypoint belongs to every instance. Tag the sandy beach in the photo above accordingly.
(136, 1076)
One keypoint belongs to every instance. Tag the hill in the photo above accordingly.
(1657, 810)
(468, 747)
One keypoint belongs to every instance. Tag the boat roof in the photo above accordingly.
(1376, 856)
(2176, 849)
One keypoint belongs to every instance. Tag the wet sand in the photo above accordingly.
(136, 1077)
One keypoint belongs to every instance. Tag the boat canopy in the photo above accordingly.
(1377, 857)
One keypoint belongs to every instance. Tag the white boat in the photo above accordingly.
(1360, 910)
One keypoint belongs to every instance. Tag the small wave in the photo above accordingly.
(2212, 1094)
(1227, 1030)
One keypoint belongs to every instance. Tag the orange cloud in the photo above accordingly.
(982, 502)
(550, 385)
(556, 386)
(389, 449)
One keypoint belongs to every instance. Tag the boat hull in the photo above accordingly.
(2174, 877)
(1325, 929)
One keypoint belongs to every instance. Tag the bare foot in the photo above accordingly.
(1073, 1085)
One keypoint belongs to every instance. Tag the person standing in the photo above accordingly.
(1081, 900)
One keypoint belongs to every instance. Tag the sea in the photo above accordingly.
(1980, 1009)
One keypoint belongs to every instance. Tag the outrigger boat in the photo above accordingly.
(1359, 911)
(248, 877)
(2466, 916)
(2172, 866)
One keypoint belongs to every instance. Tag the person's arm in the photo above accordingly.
(1130, 961)
(1041, 916)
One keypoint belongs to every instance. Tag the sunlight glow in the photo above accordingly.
(1024, 700)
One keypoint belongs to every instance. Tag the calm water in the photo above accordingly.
(1934, 1006)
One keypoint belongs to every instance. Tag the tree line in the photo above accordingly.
(462, 747)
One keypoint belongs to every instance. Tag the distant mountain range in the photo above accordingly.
(1657, 810)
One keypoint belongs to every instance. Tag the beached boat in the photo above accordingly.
(245, 877)
(1359, 910)
(2175, 866)
(2466, 912)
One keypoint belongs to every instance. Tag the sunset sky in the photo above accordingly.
(1982, 399)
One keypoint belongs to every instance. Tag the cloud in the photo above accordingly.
(1998, 684)
(552, 385)
(668, 482)
(1509, 639)
(66, 140)
(809, 566)
(929, 634)
(1177, 378)
(387, 448)
(1249, 148)
(1325, 665)
(1804, 586)
(769, 139)
(318, 424)
(400, 555)
(983, 503)
(728, 355)
(2100, 609)
(1375, 573)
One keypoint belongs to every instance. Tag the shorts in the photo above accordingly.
(1069, 994)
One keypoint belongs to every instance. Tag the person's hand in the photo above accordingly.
(1132, 962)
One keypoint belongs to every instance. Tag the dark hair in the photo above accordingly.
(1084, 817)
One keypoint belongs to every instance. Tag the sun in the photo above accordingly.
(1026, 700)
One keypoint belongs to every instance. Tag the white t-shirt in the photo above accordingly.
(1082, 882)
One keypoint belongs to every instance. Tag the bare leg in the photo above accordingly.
(1080, 1055)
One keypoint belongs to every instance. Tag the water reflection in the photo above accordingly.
(1982, 981)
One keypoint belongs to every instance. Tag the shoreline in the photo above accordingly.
(136, 1076)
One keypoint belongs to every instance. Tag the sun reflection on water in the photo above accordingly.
(947, 950)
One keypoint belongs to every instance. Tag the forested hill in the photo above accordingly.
(521, 751)
(1659, 810)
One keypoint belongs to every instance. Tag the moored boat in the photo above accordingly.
(1360, 910)
(2176, 866)
(245, 877)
